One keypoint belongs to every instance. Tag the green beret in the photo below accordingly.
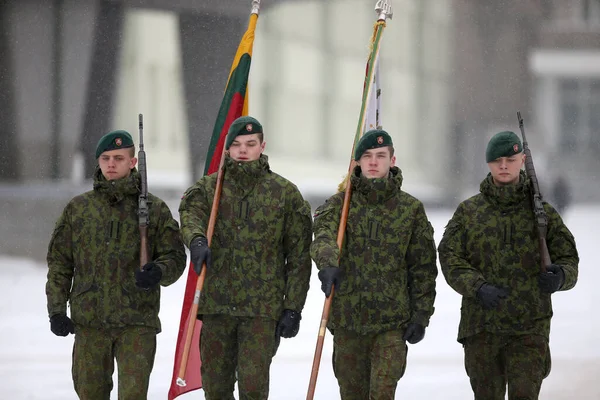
(114, 140)
(371, 140)
(503, 144)
(242, 126)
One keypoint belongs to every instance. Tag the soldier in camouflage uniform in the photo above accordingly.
(94, 264)
(385, 280)
(490, 255)
(258, 265)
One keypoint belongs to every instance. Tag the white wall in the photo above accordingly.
(307, 78)
(305, 87)
(150, 82)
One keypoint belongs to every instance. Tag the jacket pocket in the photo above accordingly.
(85, 302)
(395, 301)
(138, 306)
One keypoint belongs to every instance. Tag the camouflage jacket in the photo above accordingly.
(492, 238)
(95, 250)
(260, 246)
(388, 256)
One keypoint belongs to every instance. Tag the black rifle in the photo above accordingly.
(536, 200)
(143, 213)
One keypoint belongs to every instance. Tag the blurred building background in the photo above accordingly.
(453, 72)
(541, 57)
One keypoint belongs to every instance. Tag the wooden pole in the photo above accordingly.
(383, 9)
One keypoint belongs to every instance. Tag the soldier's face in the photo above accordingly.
(246, 148)
(376, 163)
(505, 170)
(116, 164)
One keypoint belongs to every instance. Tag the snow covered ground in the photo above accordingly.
(35, 364)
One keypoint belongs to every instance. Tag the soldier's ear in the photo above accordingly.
(133, 162)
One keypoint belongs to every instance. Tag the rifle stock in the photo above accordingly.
(536, 200)
(143, 213)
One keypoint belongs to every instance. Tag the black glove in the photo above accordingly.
(490, 295)
(199, 253)
(414, 333)
(553, 279)
(149, 276)
(330, 276)
(289, 324)
(61, 325)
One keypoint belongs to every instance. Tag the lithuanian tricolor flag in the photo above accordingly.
(235, 101)
(234, 105)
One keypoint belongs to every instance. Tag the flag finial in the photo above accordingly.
(383, 8)
(255, 7)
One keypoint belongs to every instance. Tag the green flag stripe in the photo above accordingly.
(237, 84)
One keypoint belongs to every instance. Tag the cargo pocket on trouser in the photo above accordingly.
(527, 365)
(93, 364)
(529, 353)
(276, 344)
(351, 361)
(388, 363)
(390, 352)
(485, 365)
(135, 351)
(483, 356)
(405, 358)
(548, 362)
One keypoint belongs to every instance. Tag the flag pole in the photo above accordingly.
(200, 282)
(383, 8)
(180, 381)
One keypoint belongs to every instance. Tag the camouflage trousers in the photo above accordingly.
(241, 347)
(94, 355)
(493, 361)
(368, 367)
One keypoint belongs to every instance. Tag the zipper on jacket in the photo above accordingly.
(113, 229)
(244, 210)
(373, 229)
(508, 229)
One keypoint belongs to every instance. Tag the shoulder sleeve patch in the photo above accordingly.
(322, 209)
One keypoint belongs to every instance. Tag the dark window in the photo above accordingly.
(579, 114)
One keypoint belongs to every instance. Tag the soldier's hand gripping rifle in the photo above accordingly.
(143, 198)
(536, 200)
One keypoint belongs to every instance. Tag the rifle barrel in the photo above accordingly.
(143, 213)
(536, 200)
